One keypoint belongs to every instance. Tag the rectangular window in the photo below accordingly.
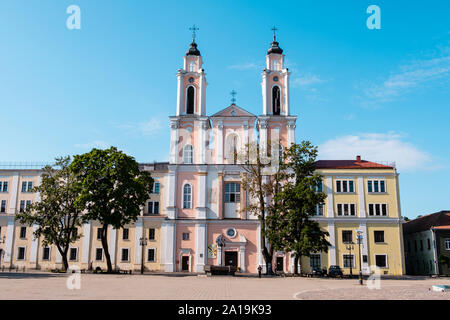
(99, 233)
(345, 186)
(156, 187)
(320, 187)
(376, 186)
(421, 245)
(21, 253)
(23, 232)
(22, 206)
(348, 261)
(30, 186)
(150, 207)
(28, 203)
(24, 186)
(232, 192)
(365, 259)
(377, 209)
(73, 254)
(314, 260)
(379, 236)
(125, 256)
(346, 209)
(125, 233)
(99, 254)
(151, 234)
(151, 255)
(3, 206)
(156, 207)
(429, 244)
(186, 236)
(347, 236)
(381, 260)
(447, 244)
(46, 253)
(5, 186)
(319, 210)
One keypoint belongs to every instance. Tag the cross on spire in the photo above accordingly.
(274, 29)
(233, 94)
(193, 29)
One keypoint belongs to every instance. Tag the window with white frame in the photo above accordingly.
(346, 209)
(153, 207)
(320, 186)
(348, 261)
(125, 233)
(347, 236)
(156, 187)
(125, 255)
(377, 209)
(98, 254)
(3, 206)
(73, 254)
(22, 206)
(376, 186)
(345, 186)
(46, 253)
(187, 196)
(151, 255)
(381, 260)
(447, 244)
(378, 236)
(319, 210)
(232, 192)
(21, 253)
(27, 186)
(23, 232)
(188, 154)
(314, 260)
(151, 234)
(3, 186)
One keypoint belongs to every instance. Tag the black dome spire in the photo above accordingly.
(193, 51)
(274, 47)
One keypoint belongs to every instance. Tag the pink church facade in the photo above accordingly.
(204, 199)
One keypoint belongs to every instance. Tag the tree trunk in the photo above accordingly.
(296, 264)
(63, 254)
(105, 247)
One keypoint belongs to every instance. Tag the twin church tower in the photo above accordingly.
(204, 198)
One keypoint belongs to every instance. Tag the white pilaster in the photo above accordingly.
(201, 195)
(242, 264)
(219, 256)
(291, 133)
(364, 249)
(9, 240)
(137, 242)
(220, 142)
(330, 202)
(264, 92)
(171, 193)
(263, 137)
(112, 245)
(200, 94)
(86, 242)
(168, 238)
(200, 247)
(34, 245)
(179, 93)
(286, 95)
(14, 193)
(174, 141)
(332, 240)
(361, 198)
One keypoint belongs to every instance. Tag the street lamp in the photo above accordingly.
(220, 241)
(350, 247)
(143, 242)
(359, 238)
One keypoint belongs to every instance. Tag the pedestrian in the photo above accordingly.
(259, 271)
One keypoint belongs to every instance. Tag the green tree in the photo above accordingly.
(112, 189)
(289, 227)
(56, 214)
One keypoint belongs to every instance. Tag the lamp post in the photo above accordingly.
(220, 241)
(2, 252)
(143, 242)
(350, 247)
(359, 238)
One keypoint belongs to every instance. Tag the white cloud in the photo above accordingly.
(244, 66)
(146, 128)
(376, 147)
(306, 80)
(408, 77)
(94, 144)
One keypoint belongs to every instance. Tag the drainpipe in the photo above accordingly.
(436, 262)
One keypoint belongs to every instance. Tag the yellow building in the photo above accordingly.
(19, 248)
(362, 196)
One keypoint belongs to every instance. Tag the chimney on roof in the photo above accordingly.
(358, 159)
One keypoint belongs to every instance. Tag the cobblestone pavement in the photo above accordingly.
(103, 286)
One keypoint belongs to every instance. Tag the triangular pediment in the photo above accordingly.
(233, 111)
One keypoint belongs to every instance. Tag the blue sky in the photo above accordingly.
(383, 94)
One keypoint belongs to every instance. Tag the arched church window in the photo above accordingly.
(232, 145)
(276, 100)
(187, 196)
(190, 100)
(188, 154)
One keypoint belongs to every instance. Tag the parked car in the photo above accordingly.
(335, 271)
(317, 272)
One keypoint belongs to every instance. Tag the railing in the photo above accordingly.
(24, 165)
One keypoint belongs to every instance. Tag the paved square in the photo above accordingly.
(103, 286)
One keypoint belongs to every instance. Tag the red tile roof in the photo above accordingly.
(350, 164)
(438, 220)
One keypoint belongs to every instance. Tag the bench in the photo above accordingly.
(218, 270)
